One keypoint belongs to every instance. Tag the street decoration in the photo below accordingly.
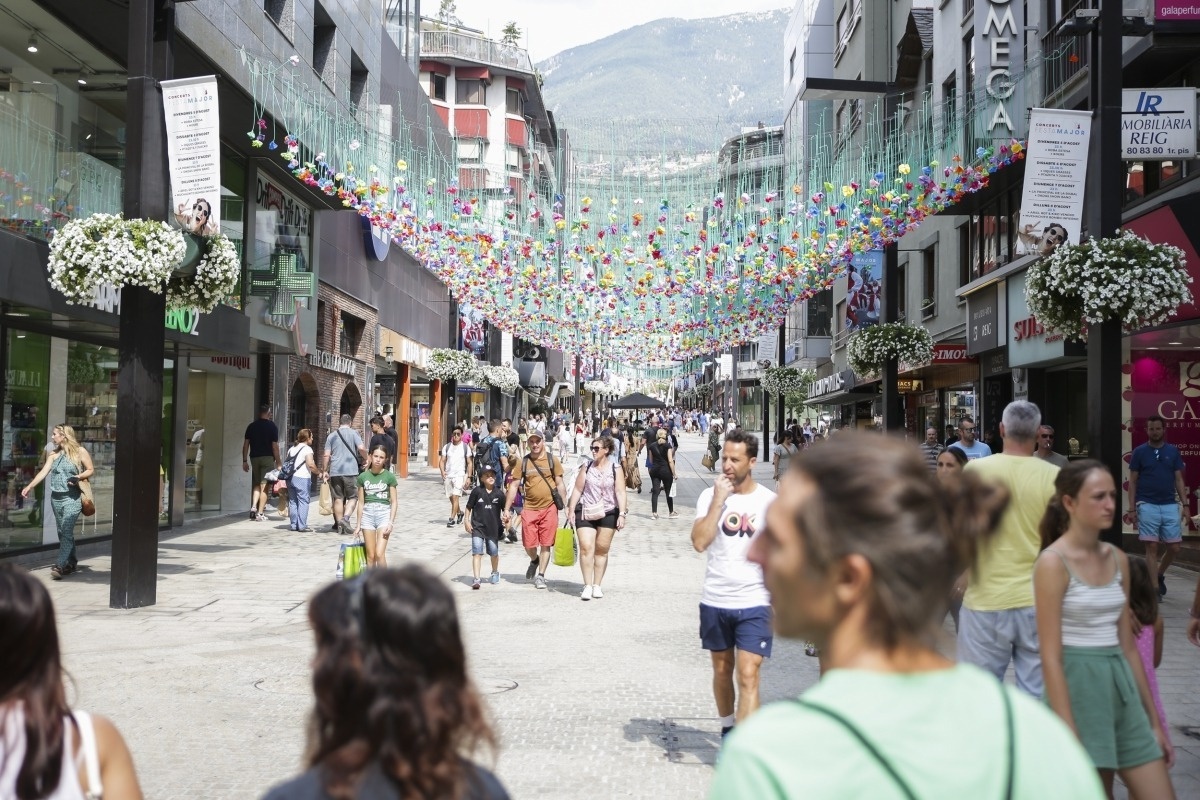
(870, 347)
(783, 380)
(506, 379)
(448, 364)
(1123, 277)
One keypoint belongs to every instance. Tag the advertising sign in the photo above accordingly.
(1177, 10)
(1055, 174)
(983, 320)
(864, 290)
(1029, 343)
(1167, 383)
(1158, 124)
(194, 152)
(472, 331)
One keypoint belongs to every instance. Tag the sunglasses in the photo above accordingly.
(1047, 435)
(597, 449)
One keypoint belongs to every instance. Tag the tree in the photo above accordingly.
(511, 33)
(448, 13)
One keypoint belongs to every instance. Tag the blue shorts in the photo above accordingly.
(1159, 523)
(478, 542)
(746, 629)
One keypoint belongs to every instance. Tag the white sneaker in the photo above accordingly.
(586, 594)
(597, 592)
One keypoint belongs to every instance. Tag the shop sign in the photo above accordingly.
(106, 297)
(1177, 10)
(1030, 342)
(827, 385)
(995, 364)
(235, 366)
(909, 385)
(413, 353)
(928, 399)
(948, 353)
(983, 320)
(998, 53)
(1158, 124)
(333, 362)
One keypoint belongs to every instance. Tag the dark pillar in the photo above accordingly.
(400, 418)
(451, 387)
(1104, 218)
(139, 377)
(893, 414)
(781, 355)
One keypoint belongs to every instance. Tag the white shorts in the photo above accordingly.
(454, 485)
(376, 516)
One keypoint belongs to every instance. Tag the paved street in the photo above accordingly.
(609, 698)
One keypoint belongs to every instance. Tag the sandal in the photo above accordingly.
(56, 573)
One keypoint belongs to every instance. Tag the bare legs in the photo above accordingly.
(594, 544)
(746, 666)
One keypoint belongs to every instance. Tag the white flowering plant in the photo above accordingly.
(105, 248)
(214, 280)
(506, 379)
(870, 347)
(599, 387)
(1124, 277)
(783, 380)
(448, 364)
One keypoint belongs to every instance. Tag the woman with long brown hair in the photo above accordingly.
(48, 751)
(396, 715)
(69, 464)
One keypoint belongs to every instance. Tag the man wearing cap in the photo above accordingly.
(539, 477)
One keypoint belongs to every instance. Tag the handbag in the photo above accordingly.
(674, 489)
(325, 501)
(593, 511)
(564, 548)
(554, 495)
(362, 466)
(352, 559)
(708, 461)
(86, 499)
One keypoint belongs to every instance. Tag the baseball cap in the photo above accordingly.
(488, 469)
(535, 435)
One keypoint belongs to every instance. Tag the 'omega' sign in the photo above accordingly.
(826, 385)
(1000, 49)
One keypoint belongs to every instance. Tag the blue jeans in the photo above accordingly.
(66, 510)
(298, 503)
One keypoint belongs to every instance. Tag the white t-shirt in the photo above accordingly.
(730, 581)
(455, 459)
(302, 470)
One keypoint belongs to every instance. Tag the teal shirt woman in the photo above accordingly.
(68, 464)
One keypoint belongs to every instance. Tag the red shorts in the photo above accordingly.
(538, 526)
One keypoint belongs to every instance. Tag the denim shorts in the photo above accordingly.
(376, 516)
(747, 629)
(478, 543)
(1159, 523)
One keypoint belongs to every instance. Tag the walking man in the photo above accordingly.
(931, 448)
(997, 623)
(538, 475)
(969, 445)
(260, 454)
(381, 438)
(456, 466)
(1158, 503)
(735, 608)
(343, 448)
(1045, 449)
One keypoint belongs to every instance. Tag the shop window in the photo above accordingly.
(964, 255)
(324, 58)
(350, 335)
(929, 282)
(819, 313)
(437, 86)
(26, 427)
(470, 92)
(514, 103)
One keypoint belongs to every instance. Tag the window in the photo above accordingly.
(949, 110)
(792, 65)
(964, 254)
(359, 78)
(282, 13)
(469, 92)
(843, 33)
(818, 313)
(324, 57)
(320, 324)
(471, 150)
(513, 158)
(514, 103)
(929, 281)
(350, 335)
(437, 86)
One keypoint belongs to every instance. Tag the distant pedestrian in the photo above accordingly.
(299, 485)
(931, 448)
(376, 507)
(781, 455)
(539, 477)
(662, 472)
(1094, 676)
(997, 624)
(597, 510)
(390, 429)
(1045, 449)
(343, 449)
(457, 466)
(1148, 628)
(714, 444)
(950, 465)
(69, 464)
(967, 442)
(485, 505)
(1158, 498)
(859, 552)
(260, 454)
(735, 609)
(564, 440)
(380, 438)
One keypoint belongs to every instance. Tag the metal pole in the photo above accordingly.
(893, 414)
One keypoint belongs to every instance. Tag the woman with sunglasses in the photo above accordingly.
(600, 494)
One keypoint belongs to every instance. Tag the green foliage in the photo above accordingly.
(511, 34)
(870, 347)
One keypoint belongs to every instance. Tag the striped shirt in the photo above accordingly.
(931, 452)
(1090, 613)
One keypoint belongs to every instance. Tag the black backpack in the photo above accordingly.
(487, 454)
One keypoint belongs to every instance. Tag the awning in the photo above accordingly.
(436, 67)
(532, 374)
(473, 74)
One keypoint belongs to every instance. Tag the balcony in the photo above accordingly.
(542, 153)
(1069, 70)
(474, 49)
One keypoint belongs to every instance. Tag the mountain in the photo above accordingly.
(670, 85)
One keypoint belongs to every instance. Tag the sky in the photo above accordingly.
(551, 26)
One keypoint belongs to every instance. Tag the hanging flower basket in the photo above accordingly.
(782, 380)
(104, 248)
(1124, 277)
(506, 379)
(446, 364)
(213, 280)
(870, 347)
(599, 387)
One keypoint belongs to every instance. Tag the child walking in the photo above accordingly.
(1143, 603)
(483, 521)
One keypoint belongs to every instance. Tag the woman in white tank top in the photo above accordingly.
(1093, 673)
(83, 756)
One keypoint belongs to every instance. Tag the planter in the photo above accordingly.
(106, 249)
(871, 347)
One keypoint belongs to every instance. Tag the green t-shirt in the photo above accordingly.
(1002, 578)
(375, 487)
(943, 732)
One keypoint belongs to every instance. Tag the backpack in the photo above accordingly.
(289, 467)
(487, 454)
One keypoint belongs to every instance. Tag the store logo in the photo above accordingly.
(1189, 378)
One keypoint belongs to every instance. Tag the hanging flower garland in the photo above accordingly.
(1125, 277)
(105, 248)
(783, 380)
(506, 379)
(870, 347)
(214, 280)
(446, 364)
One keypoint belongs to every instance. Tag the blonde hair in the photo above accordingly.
(70, 445)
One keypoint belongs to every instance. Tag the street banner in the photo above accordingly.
(1055, 176)
(864, 290)
(194, 152)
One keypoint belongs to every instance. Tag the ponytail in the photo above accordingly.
(1054, 521)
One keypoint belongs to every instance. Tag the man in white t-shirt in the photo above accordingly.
(735, 607)
(456, 467)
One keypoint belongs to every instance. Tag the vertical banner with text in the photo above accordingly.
(1055, 174)
(194, 152)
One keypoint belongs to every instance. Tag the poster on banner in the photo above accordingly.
(864, 290)
(1166, 383)
(194, 152)
(472, 331)
(1055, 177)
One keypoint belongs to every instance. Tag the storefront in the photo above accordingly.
(219, 404)
(852, 404)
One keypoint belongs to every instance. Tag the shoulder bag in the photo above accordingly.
(594, 511)
(554, 495)
(86, 498)
(357, 458)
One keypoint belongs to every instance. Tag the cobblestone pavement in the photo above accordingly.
(604, 699)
